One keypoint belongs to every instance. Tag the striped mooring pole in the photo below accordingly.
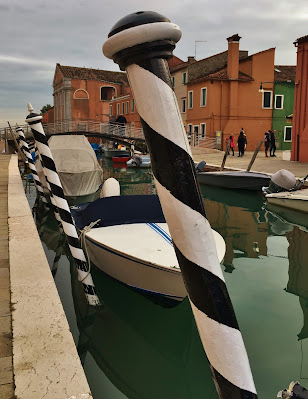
(55, 186)
(141, 43)
(25, 149)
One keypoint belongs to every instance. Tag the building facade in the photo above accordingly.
(283, 102)
(299, 151)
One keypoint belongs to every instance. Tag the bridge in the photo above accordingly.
(121, 134)
(125, 135)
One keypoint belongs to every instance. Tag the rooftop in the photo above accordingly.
(92, 74)
(284, 73)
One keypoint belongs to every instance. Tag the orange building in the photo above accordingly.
(299, 150)
(223, 94)
(92, 95)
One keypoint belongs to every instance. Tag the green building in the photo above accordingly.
(283, 104)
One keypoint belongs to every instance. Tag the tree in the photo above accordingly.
(45, 108)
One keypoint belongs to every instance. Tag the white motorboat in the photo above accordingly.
(131, 243)
(143, 161)
(296, 200)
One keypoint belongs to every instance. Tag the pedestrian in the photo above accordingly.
(231, 140)
(241, 143)
(121, 121)
(273, 143)
(267, 141)
(112, 120)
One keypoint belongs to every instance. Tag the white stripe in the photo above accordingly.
(166, 118)
(190, 232)
(69, 229)
(225, 350)
(141, 34)
(62, 203)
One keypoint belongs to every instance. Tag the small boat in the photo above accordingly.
(109, 153)
(120, 159)
(143, 161)
(287, 191)
(296, 200)
(131, 243)
(235, 180)
(77, 165)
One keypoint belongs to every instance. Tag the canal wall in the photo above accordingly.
(45, 360)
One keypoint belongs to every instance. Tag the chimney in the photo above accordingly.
(233, 56)
(191, 60)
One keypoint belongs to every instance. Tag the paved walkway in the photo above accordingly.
(261, 164)
(6, 369)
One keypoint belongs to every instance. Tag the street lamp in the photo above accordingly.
(261, 90)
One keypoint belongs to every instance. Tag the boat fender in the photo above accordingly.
(295, 391)
(200, 166)
(111, 188)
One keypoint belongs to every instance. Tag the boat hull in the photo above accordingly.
(235, 180)
(116, 153)
(296, 200)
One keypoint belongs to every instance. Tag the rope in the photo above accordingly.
(83, 243)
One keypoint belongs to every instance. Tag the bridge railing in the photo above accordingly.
(127, 130)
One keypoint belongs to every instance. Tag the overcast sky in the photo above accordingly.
(37, 34)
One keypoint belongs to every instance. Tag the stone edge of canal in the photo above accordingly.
(45, 359)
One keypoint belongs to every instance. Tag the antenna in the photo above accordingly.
(198, 41)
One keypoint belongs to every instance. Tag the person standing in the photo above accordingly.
(267, 141)
(231, 138)
(273, 143)
(241, 143)
(121, 121)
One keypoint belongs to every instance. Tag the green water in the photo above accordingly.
(134, 347)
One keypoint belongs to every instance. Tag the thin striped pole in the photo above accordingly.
(141, 43)
(55, 186)
(25, 149)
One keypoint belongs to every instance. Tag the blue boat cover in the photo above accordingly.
(119, 210)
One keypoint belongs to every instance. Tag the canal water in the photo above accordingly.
(137, 347)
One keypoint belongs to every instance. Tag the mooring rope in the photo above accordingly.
(83, 242)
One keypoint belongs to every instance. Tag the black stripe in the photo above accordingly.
(66, 216)
(207, 292)
(57, 190)
(73, 242)
(171, 164)
(81, 265)
(89, 289)
(227, 390)
(48, 163)
(159, 67)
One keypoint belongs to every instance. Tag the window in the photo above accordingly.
(279, 101)
(184, 78)
(118, 109)
(267, 99)
(173, 81)
(203, 97)
(183, 105)
(110, 110)
(133, 105)
(203, 130)
(288, 133)
(190, 99)
(107, 93)
(127, 107)
(123, 108)
(189, 132)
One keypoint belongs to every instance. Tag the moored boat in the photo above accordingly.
(296, 200)
(120, 159)
(143, 161)
(131, 243)
(109, 153)
(235, 180)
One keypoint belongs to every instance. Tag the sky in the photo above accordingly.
(37, 34)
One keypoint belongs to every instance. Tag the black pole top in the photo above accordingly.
(136, 19)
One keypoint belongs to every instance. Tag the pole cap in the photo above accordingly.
(141, 35)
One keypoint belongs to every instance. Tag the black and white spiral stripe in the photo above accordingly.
(141, 49)
(25, 148)
(56, 189)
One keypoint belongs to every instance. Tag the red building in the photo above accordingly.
(299, 150)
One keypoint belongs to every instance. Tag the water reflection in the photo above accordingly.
(149, 350)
